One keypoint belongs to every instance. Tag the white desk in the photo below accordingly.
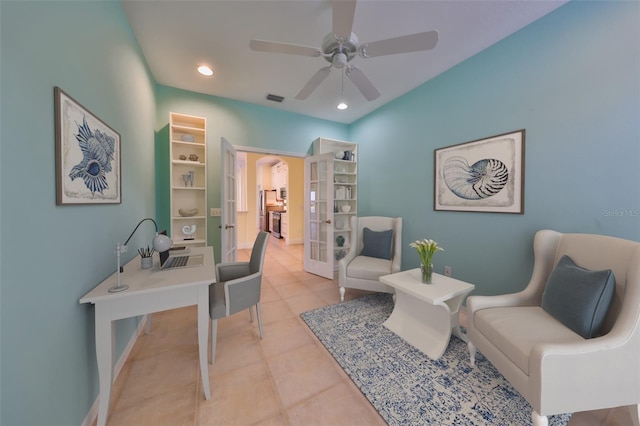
(150, 290)
(425, 315)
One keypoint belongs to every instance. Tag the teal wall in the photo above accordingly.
(50, 256)
(242, 124)
(572, 80)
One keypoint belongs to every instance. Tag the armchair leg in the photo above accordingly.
(634, 411)
(539, 420)
(342, 291)
(251, 312)
(259, 314)
(214, 336)
(472, 352)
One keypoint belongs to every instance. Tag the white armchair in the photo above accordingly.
(362, 272)
(553, 367)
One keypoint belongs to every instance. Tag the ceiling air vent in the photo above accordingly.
(275, 98)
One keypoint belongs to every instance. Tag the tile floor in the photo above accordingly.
(288, 378)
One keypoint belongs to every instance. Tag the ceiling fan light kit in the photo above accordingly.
(341, 45)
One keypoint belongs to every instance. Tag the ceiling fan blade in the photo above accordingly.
(313, 83)
(343, 13)
(403, 44)
(290, 49)
(363, 84)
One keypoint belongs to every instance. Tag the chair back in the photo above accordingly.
(379, 223)
(599, 252)
(258, 252)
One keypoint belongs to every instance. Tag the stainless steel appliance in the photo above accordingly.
(275, 225)
(283, 193)
(267, 201)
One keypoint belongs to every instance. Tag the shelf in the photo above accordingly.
(188, 163)
(192, 188)
(183, 128)
(188, 143)
(188, 242)
(188, 217)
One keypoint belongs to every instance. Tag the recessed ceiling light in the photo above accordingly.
(205, 70)
(342, 105)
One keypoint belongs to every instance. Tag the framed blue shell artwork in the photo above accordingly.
(87, 155)
(485, 175)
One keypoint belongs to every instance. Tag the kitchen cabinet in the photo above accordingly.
(188, 179)
(331, 199)
(279, 172)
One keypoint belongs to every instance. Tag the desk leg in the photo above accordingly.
(104, 355)
(203, 334)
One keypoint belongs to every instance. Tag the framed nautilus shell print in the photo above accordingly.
(485, 175)
(87, 155)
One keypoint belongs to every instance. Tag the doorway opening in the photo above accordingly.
(275, 178)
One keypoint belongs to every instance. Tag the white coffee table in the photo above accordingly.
(425, 315)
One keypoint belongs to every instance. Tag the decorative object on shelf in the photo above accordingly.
(339, 254)
(339, 155)
(146, 257)
(193, 157)
(348, 155)
(160, 243)
(340, 241)
(182, 157)
(188, 178)
(87, 155)
(188, 231)
(188, 212)
(426, 249)
(485, 175)
(346, 208)
(188, 138)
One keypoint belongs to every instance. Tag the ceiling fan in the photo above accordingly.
(341, 46)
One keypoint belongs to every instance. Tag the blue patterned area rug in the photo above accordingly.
(404, 385)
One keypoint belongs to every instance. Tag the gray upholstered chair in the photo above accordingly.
(558, 341)
(237, 288)
(365, 263)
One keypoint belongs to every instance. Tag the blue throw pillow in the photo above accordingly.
(579, 298)
(377, 243)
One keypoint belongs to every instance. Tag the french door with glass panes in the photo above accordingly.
(318, 215)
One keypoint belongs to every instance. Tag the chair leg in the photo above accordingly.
(342, 291)
(539, 420)
(472, 352)
(251, 312)
(259, 319)
(148, 331)
(634, 411)
(214, 336)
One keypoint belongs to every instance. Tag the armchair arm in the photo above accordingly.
(597, 372)
(231, 270)
(242, 293)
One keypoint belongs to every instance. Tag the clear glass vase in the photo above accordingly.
(427, 272)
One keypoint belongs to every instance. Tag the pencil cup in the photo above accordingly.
(146, 262)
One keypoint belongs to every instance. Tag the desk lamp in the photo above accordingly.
(160, 243)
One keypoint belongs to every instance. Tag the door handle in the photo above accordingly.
(229, 226)
(328, 221)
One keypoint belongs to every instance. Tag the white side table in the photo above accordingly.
(425, 315)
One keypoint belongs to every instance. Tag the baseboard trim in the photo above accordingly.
(92, 415)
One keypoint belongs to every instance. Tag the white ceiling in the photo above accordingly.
(178, 35)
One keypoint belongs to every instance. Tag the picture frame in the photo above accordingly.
(88, 160)
(483, 175)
